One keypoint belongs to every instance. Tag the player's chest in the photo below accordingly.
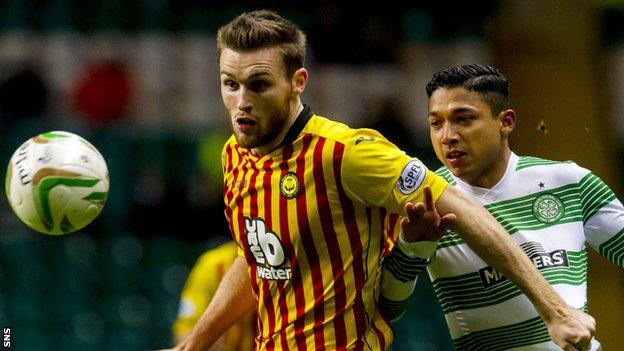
(289, 187)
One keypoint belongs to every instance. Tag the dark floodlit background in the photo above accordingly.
(139, 79)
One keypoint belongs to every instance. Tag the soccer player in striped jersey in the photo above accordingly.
(553, 210)
(198, 291)
(307, 200)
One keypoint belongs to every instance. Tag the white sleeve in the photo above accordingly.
(603, 217)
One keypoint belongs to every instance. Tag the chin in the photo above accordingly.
(244, 141)
(455, 171)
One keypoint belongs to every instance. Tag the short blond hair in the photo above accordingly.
(265, 29)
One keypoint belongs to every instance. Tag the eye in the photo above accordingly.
(464, 119)
(258, 85)
(230, 84)
(435, 123)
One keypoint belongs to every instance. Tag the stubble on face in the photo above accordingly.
(268, 129)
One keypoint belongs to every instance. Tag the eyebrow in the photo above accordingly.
(252, 76)
(258, 74)
(455, 111)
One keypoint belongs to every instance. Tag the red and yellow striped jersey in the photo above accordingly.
(309, 219)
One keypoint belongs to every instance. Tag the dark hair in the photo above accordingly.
(264, 29)
(487, 81)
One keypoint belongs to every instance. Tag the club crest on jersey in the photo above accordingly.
(289, 185)
(240, 184)
(412, 177)
(267, 250)
(548, 208)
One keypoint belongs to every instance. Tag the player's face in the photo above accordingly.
(467, 137)
(258, 96)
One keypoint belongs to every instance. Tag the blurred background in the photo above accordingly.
(139, 79)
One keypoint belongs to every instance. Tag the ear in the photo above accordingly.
(299, 80)
(508, 121)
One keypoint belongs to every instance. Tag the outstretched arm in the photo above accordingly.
(417, 241)
(568, 327)
(232, 301)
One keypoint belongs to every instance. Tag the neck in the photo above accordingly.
(494, 173)
(294, 111)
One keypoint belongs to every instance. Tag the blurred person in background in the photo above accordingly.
(552, 209)
(198, 291)
(307, 200)
(23, 95)
(24, 105)
(102, 92)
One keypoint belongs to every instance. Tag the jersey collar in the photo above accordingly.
(298, 125)
(491, 195)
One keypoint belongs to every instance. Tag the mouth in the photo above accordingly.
(456, 156)
(244, 124)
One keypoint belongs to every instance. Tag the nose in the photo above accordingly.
(244, 100)
(449, 134)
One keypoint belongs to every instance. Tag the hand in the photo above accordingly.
(423, 222)
(572, 330)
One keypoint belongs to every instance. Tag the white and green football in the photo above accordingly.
(57, 182)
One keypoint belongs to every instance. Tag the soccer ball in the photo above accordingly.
(57, 182)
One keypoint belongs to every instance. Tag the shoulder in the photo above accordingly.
(337, 131)
(229, 147)
(230, 155)
(229, 144)
(532, 161)
(361, 145)
(446, 174)
(563, 170)
(222, 254)
(367, 147)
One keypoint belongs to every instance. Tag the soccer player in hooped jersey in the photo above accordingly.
(199, 290)
(551, 209)
(307, 200)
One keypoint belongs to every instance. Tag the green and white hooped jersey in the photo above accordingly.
(551, 209)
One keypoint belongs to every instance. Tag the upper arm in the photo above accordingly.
(473, 221)
(603, 218)
(605, 232)
(371, 167)
(452, 200)
(378, 174)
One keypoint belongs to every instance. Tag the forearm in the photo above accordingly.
(400, 271)
(231, 302)
(487, 238)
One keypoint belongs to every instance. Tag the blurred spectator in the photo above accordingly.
(23, 96)
(102, 92)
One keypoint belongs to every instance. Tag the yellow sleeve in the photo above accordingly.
(377, 173)
(201, 286)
